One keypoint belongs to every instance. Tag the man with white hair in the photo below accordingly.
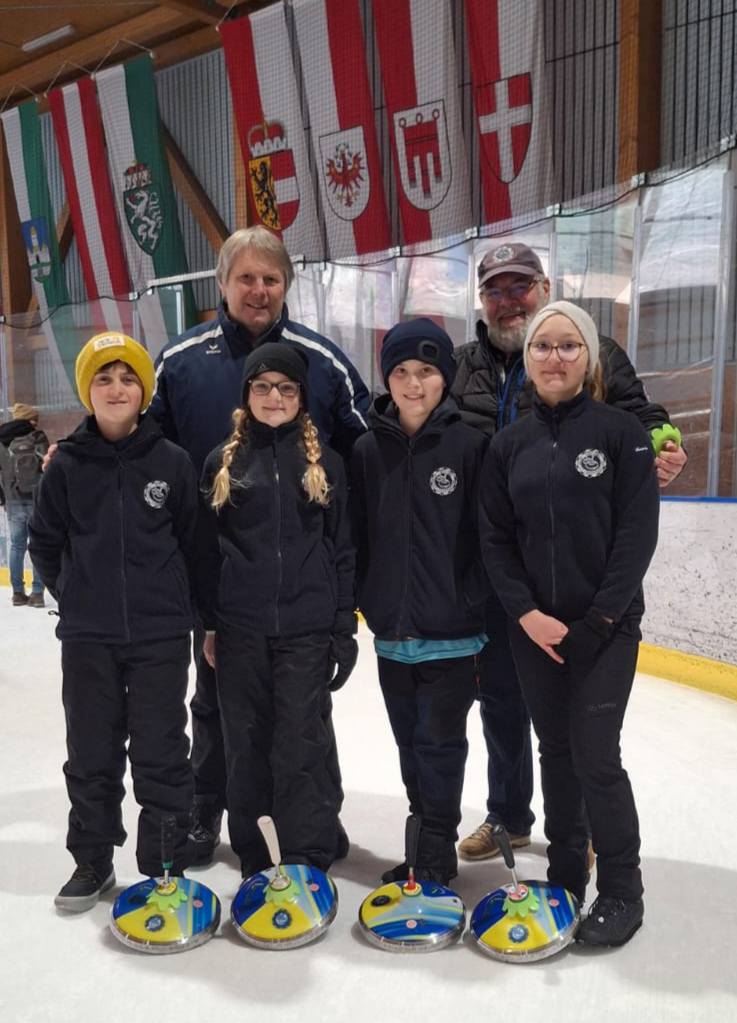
(199, 384)
(492, 390)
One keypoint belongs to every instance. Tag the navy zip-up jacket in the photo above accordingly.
(270, 559)
(414, 513)
(200, 382)
(112, 535)
(569, 511)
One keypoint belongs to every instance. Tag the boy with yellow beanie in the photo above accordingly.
(112, 536)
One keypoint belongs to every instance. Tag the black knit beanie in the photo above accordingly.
(418, 339)
(277, 357)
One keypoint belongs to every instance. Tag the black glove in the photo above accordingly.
(343, 650)
(584, 642)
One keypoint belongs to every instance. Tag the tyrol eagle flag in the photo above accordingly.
(266, 106)
(346, 152)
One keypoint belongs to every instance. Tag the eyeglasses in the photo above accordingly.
(568, 351)
(513, 293)
(263, 388)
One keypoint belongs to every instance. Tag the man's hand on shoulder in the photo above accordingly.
(53, 448)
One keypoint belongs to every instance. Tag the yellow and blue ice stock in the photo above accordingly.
(390, 914)
(301, 909)
(138, 914)
(504, 932)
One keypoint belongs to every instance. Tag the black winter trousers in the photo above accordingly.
(272, 693)
(208, 756)
(428, 704)
(132, 693)
(578, 721)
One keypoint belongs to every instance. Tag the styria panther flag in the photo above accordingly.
(347, 160)
(505, 39)
(140, 177)
(415, 41)
(266, 106)
(30, 183)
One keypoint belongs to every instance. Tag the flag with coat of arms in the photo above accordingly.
(266, 107)
(506, 48)
(347, 161)
(27, 161)
(415, 42)
(141, 183)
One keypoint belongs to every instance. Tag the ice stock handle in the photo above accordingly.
(500, 834)
(168, 830)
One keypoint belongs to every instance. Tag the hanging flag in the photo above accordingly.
(347, 160)
(267, 113)
(81, 143)
(30, 183)
(506, 45)
(142, 185)
(415, 41)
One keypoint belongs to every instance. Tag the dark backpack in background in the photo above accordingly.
(21, 466)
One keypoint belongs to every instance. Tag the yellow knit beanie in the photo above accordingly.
(114, 347)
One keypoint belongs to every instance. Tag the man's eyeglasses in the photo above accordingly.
(286, 388)
(514, 293)
(568, 351)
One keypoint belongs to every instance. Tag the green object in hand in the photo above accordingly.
(662, 434)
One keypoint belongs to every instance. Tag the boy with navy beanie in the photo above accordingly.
(420, 583)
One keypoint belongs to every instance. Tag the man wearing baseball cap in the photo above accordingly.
(492, 390)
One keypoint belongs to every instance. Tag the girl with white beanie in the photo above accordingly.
(569, 522)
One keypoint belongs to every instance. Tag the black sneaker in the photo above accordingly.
(204, 833)
(85, 886)
(611, 921)
(398, 873)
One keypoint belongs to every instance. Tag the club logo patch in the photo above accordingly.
(591, 463)
(443, 481)
(155, 493)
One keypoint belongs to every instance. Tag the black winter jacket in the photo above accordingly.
(414, 512)
(569, 511)
(492, 390)
(271, 559)
(112, 534)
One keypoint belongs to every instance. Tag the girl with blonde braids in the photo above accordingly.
(276, 597)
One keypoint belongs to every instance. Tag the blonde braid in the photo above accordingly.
(223, 481)
(597, 385)
(315, 480)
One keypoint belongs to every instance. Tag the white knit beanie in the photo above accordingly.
(580, 320)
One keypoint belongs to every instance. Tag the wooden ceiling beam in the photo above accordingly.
(212, 224)
(202, 10)
(36, 74)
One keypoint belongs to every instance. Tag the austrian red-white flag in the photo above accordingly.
(415, 41)
(80, 139)
(331, 45)
(505, 39)
(267, 113)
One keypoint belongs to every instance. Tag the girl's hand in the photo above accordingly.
(208, 648)
(545, 631)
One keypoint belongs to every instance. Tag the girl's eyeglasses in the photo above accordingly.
(568, 351)
(286, 388)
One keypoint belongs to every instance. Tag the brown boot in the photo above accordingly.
(36, 600)
(19, 599)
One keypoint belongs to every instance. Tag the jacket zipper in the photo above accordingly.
(278, 539)
(551, 511)
(124, 580)
(402, 615)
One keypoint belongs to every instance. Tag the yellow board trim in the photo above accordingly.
(5, 577)
(689, 670)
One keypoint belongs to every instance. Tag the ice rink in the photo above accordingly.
(680, 747)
